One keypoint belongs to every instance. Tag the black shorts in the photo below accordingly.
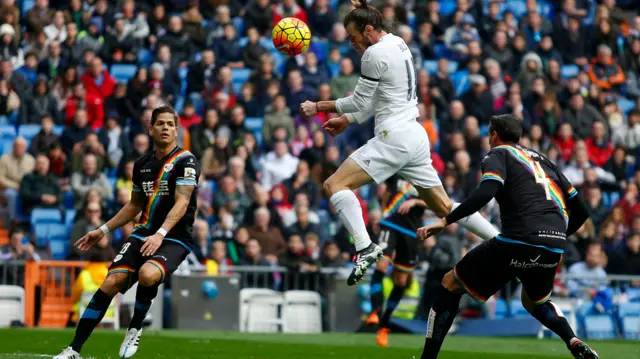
(398, 246)
(129, 259)
(494, 263)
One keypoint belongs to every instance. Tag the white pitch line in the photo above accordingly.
(29, 355)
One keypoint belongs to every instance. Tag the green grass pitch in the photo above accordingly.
(29, 343)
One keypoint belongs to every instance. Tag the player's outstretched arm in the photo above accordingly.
(127, 214)
(182, 199)
(578, 213)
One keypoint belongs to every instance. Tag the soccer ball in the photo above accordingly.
(291, 36)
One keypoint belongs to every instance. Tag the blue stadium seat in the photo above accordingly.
(545, 7)
(28, 131)
(69, 217)
(501, 309)
(431, 66)
(253, 124)
(631, 328)
(567, 71)
(239, 24)
(8, 132)
(460, 80)
(123, 72)
(57, 130)
(6, 146)
(213, 185)
(599, 327)
(334, 4)
(629, 310)
(68, 200)
(59, 248)
(27, 5)
(441, 50)
(626, 105)
(45, 216)
(517, 7)
(243, 41)
(322, 47)
(447, 7)
(145, 57)
(44, 232)
(112, 182)
(633, 294)
(239, 77)
(516, 309)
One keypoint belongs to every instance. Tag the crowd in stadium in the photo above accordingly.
(570, 70)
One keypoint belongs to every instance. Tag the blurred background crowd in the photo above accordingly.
(79, 79)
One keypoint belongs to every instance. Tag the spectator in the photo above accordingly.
(42, 103)
(264, 75)
(201, 77)
(575, 171)
(252, 104)
(39, 16)
(228, 196)
(278, 116)
(223, 85)
(302, 226)
(479, 100)
(119, 45)
(193, 22)
(222, 230)
(254, 257)
(597, 210)
(253, 51)
(591, 268)
(313, 73)
(113, 140)
(30, 68)
(125, 180)
(499, 51)
(300, 182)
(58, 163)
(178, 41)
(228, 48)
(202, 239)
(605, 72)
(461, 34)
(626, 261)
(331, 257)
(9, 100)
(13, 167)
(289, 8)
(581, 116)
(90, 145)
(321, 19)
(17, 81)
(236, 126)
(8, 46)
(546, 113)
(243, 183)
(88, 179)
(345, 82)
(278, 165)
(262, 199)
(218, 263)
(301, 141)
(617, 164)
(203, 135)
(45, 138)
(92, 220)
(19, 248)
(297, 93)
(259, 14)
(269, 237)
(40, 188)
(214, 160)
(53, 62)
(598, 146)
(56, 30)
(91, 38)
(629, 203)
(189, 117)
(530, 68)
(300, 266)
(548, 52)
(71, 48)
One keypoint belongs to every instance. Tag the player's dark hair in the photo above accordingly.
(364, 15)
(508, 127)
(163, 109)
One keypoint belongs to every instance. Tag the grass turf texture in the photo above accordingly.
(30, 343)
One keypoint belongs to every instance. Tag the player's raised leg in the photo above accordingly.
(94, 313)
(439, 202)
(339, 188)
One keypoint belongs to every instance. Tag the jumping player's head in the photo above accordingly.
(164, 126)
(504, 129)
(364, 25)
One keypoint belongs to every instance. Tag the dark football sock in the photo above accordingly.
(376, 290)
(439, 322)
(144, 296)
(392, 303)
(551, 317)
(91, 317)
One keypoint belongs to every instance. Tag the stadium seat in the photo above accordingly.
(27, 5)
(626, 105)
(442, 51)
(259, 310)
(59, 248)
(322, 47)
(633, 294)
(6, 146)
(599, 327)
(12, 305)
(69, 217)
(239, 77)
(629, 310)
(28, 131)
(239, 24)
(431, 66)
(8, 132)
(461, 84)
(447, 7)
(45, 216)
(545, 7)
(517, 310)
(243, 41)
(253, 124)
(123, 72)
(112, 182)
(44, 233)
(631, 328)
(567, 71)
(501, 310)
(57, 130)
(517, 7)
(68, 200)
(302, 312)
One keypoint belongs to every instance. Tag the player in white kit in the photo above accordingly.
(386, 89)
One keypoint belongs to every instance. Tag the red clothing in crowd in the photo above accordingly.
(187, 122)
(280, 13)
(94, 106)
(566, 147)
(631, 210)
(598, 153)
(437, 163)
(100, 91)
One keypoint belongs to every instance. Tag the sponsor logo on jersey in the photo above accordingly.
(148, 188)
(532, 263)
(146, 170)
(366, 162)
(168, 167)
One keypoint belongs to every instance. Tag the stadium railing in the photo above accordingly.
(12, 273)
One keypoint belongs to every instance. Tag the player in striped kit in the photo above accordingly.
(164, 190)
(401, 218)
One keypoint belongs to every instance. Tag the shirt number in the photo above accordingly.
(412, 92)
(542, 179)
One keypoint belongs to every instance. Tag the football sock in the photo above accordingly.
(91, 317)
(551, 317)
(348, 208)
(478, 225)
(376, 290)
(392, 303)
(144, 296)
(439, 322)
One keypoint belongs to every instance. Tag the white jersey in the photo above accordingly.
(386, 88)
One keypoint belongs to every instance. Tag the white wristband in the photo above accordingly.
(104, 229)
(162, 231)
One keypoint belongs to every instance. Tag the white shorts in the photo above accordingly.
(402, 150)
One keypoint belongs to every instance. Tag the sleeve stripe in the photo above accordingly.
(492, 176)
(572, 192)
(369, 78)
(186, 182)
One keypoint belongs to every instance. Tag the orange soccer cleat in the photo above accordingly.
(373, 319)
(383, 337)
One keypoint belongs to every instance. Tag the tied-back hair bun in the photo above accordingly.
(359, 4)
